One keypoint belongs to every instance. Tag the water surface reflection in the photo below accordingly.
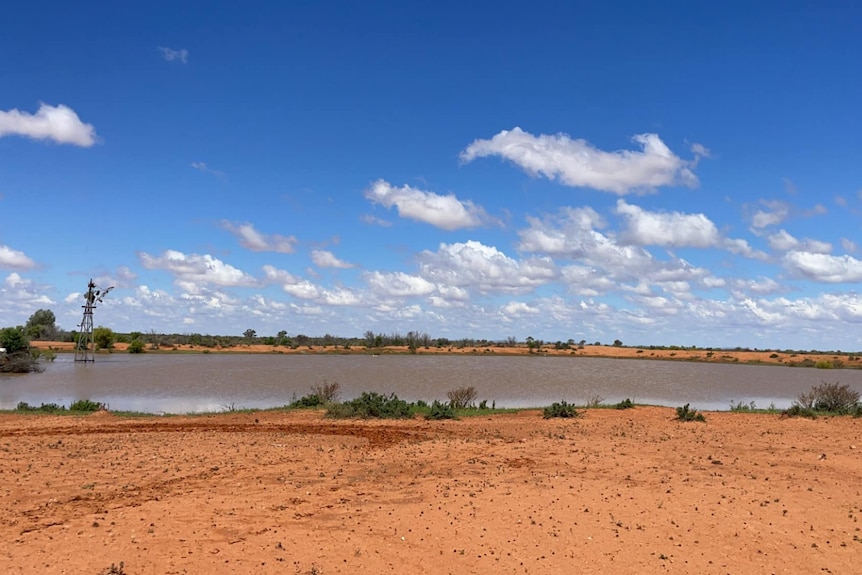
(212, 382)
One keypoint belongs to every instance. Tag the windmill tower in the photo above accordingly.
(85, 349)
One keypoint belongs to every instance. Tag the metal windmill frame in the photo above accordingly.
(85, 348)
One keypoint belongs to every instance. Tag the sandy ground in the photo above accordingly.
(720, 356)
(290, 492)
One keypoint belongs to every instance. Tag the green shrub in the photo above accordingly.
(797, 410)
(306, 401)
(824, 364)
(136, 346)
(561, 409)
(625, 404)
(685, 413)
(371, 405)
(440, 411)
(830, 397)
(44, 408)
(86, 405)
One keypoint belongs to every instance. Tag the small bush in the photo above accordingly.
(561, 409)
(625, 404)
(685, 413)
(462, 397)
(742, 406)
(136, 346)
(824, 364)
(441, 411)
(86, 405)
(371, 405)
(44, 408)
(595, 401)
(328, 392)
(308, 401)
(797, 410)
(830, 397)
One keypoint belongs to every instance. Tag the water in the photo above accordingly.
(214, 382)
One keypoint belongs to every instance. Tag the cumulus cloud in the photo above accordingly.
(193, 270)
(445, 212)
(667, 229)
(578, 163)
(485, 269)
(517, 308)
(255, 241)
(782, 241)
(57, 123)
(171, 55)
(398, 284)
(326, 259)
(14, 259)
(742, 248)
(303, 289)
(824, 268)
(775, 213)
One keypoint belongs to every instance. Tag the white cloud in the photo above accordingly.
(14, 259)
(398, 284)
(517, 308)
(578, 163)
(326, 259)
(57, 123)
(775, 213)
(762, 286)
(203, 167)
(375, 221)
(171, 55)
(783, 241)
(824, 268)
(848, 245)
(738, 246)
(255, 241)
(445, 212)
(483, 268)
(668, 229)
(196, 270)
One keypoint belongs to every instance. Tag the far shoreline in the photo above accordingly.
(826, 360)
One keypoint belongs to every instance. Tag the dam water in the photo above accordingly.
(214, 382)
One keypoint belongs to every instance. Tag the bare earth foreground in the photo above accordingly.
(628, 491)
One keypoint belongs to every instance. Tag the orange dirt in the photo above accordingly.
(290, 492)
(715, 356)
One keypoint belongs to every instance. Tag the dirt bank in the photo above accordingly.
(289, 492)
(712, 356)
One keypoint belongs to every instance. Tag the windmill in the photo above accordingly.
(85, 349)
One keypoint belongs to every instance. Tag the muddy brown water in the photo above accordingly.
(214, 382)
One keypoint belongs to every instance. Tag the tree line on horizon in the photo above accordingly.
(41, 326)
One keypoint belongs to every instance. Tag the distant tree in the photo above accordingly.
(103, 337)
(369, 338)
(135, 335)
(14, 340)
(41, 325)
(249, 334)
(618, 343)
(136, 346)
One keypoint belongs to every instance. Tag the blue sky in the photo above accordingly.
(662, 173)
